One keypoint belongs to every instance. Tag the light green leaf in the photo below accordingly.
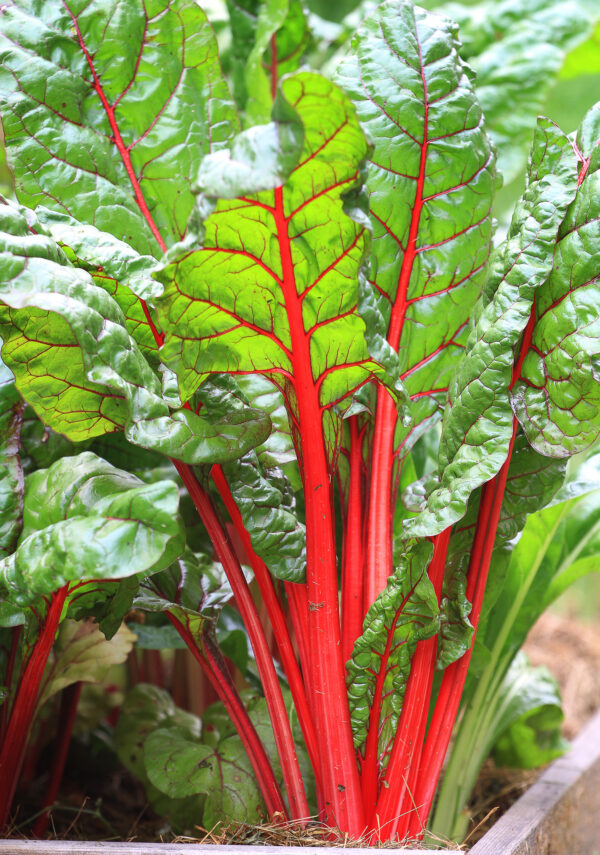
(431, 180)
(274, 267)
(82, 653)
(66, 341)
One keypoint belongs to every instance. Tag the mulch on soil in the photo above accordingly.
(113, 807)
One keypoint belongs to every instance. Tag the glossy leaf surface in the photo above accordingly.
(431, 180)
(273, 288)
(478, 421)
(113, 265)
(93, 130)
(404, 613)
(86, 520)
(557, 400)
(66, 341)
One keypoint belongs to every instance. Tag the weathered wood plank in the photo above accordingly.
(560, 813)
(64, 847)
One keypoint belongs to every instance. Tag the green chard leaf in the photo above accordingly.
(11, 470)
(81, 652)
(431, 180)
(557, 399)
(270, 284)
(113, 265)
(84, 520)
(404, 613)
(532, 483)
(478, 420)
(147, 708)
(263, 496)
(526, 731)
(66, 341)
(268, 35)
(90, 127)
(517, 48)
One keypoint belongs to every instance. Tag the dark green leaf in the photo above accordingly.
(478, 421)
(405, 612)
(529, 718)
(91, 127)
(431, 181)
(66, 341)
(86, 520)
(557, 399)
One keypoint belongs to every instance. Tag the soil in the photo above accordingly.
(113, 806)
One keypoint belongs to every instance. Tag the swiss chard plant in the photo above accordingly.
(287, 301)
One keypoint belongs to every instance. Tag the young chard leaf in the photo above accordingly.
(90, 126)
(280, 37)
(82, 652)
(478, 421)
(405, 612)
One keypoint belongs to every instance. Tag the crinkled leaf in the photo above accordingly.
(278, 448)
(81, 652)
(517, 48)
(478, 421)
(91, 127)
(114, 266)
(86, 520)
(529, 717)
(11, 470)
(264, 497)
(557, 400)
(41, 446)
(66, 341)
(533, 481)
(431, 180)
(405, 612)
(273, 288)
(267, 504)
